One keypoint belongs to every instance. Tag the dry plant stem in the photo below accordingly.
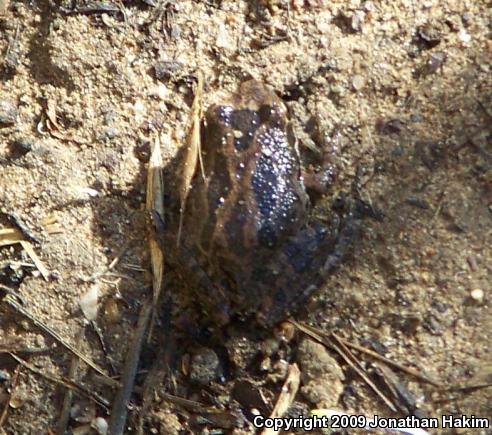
(159, 369)
(155, 206)
(45, 328)
(36, 260)
(10, 236)
(67, 399)
(26, 350)
(83, 391)
(113, 263)
(469, 388)
(15, 379)
(286, 397)
(381, 358)
(348, 357)
(119, 410)
(12, 292)
(192, 156)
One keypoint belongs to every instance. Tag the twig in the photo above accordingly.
(119, 408)
(438, 209)
(286, 397)
(26, 350)
(10, 236)
(399, 366)
(13, 293)
(332, 342)
(54, 334)
(36, 260)
(65, 382)
(67, 399)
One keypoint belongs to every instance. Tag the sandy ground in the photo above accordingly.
(407, 85)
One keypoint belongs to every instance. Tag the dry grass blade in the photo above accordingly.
(10, 236)
(65, 382)
(401, 367)
(45, 328)
(36, 260)
(401, 396)
(192, 154)
(155, 205)
(332, 342)
(67, 399)
(286, 397)
(119, 409)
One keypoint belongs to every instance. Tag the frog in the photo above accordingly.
(249, 245)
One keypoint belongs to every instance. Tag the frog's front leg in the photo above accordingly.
(213, 300)
(320, 178)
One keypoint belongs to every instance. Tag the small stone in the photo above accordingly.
(466, 18)
(205, 366)
(4, 376)
(20, 147)
(55, 275)
(160, 91)
(358, 82)
(357, 21)
(430, 34)
(337, 89)
(320, 374)
(464, 36)
(8, 113)
(110, 133)
(169, 422)
(101, 426)
(477, 295)
(224, 39)
(166, 69)
(241, 351)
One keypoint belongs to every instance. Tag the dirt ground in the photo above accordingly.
(85, 88)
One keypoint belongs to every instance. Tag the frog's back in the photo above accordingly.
(253, 197)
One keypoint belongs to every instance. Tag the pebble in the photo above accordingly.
(21, 146)
(320, 374)
(205, 366)
(358, 82)
(101, 426)
(464, 36)
(8, 113)
(477, 294)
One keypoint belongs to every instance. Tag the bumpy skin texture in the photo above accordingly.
(246, 243)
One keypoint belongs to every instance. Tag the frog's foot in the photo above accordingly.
(318, 183)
